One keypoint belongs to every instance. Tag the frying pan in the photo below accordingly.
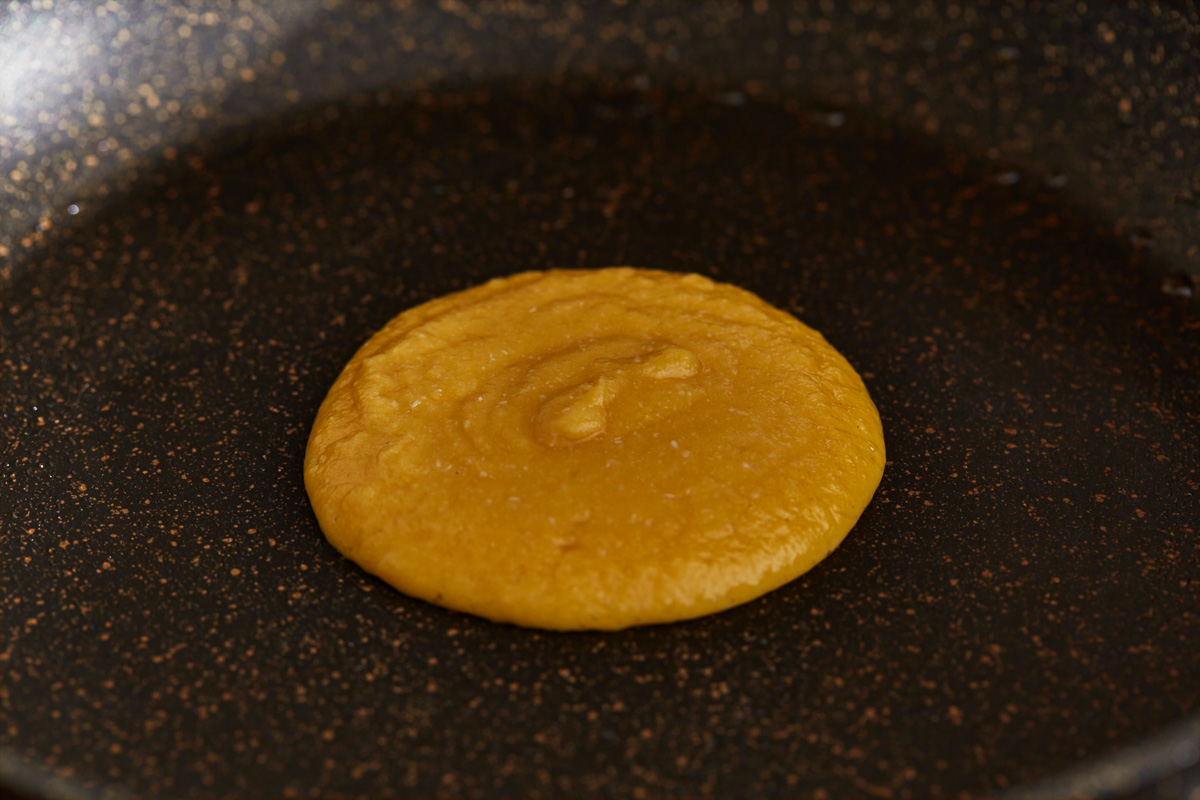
(989, 209)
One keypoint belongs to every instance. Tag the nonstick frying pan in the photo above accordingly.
(989, 209)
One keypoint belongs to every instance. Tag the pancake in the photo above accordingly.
(593, 449)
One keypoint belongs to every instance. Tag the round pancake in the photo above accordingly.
(593, 449)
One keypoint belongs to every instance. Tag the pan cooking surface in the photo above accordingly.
(1020, 595)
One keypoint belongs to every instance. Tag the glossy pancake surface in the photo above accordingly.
(593, 449)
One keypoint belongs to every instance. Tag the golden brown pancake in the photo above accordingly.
(593, 449)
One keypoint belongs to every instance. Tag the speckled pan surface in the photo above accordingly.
(989, 209)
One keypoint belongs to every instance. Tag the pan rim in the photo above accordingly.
(1134, 767)
(1172, 750)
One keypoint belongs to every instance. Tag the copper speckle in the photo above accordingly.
(1022, 594)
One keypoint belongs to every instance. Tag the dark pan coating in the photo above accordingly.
(1021, 596)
